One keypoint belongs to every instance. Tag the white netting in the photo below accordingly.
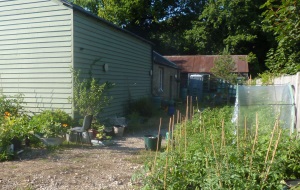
(268, 102)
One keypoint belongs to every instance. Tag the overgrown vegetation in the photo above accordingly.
(139, 111)
(17, 127)
(209, 152)
(50, 123)
(143, 106)
(13, 124)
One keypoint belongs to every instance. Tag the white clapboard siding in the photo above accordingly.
(128, 59)
(36, 53)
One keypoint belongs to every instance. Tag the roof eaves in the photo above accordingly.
(82, 10)
(163, 61)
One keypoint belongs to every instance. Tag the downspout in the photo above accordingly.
(72, 66)
(151, 75)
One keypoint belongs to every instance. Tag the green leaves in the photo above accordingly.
(217, 157)
(89, 95)
(282, 18)
(51, 123)
(224, 67)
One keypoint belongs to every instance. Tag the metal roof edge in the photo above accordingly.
(163, 59)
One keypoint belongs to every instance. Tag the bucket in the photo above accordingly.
(151, 142)
(119, 130)
(86, 137)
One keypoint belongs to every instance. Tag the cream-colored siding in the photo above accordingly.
(128, 59)
(36, 53)
(169, 82)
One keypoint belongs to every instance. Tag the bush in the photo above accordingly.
(51, 123)
(10, 104)
(14, 124)
(144, 107)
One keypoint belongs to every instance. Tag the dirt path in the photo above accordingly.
(89, 168)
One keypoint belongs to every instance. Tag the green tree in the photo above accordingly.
(225, 68)
(265, 30)
(162, 22)
(282, 19)
(90, 5)
(236, 23)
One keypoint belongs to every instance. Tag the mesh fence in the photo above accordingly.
(267, 103)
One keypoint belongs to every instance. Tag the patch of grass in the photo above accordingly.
(142, 156)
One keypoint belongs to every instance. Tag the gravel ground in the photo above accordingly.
(76, 167)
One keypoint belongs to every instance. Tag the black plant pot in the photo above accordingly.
(17, 143)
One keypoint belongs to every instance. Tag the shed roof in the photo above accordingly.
(159, 59)
(204, 63)
(82, 10)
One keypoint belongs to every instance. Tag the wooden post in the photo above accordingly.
(187, 108)
(158, 139)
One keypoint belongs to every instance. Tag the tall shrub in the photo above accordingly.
(224, 68)
(89, 95)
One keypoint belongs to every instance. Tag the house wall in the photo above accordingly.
(128, 58)
(36, 53)
(170, 88)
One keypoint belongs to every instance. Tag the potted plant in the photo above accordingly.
(101, 137)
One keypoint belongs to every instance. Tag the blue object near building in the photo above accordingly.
(171, 110)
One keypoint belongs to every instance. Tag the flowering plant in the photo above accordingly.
(51, 123)
(13, 123)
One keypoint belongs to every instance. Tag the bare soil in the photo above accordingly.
(76, 166)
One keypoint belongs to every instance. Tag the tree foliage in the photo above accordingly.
(90, 5)
(236, 23)
(282, 18)
(265, 30)
(225, 67)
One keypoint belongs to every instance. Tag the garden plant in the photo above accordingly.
(210, 152)
(17, 126)
(51, 123)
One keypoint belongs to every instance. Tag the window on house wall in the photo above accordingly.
(161, 79)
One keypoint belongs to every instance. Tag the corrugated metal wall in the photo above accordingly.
(36, 52)
(128, 59)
